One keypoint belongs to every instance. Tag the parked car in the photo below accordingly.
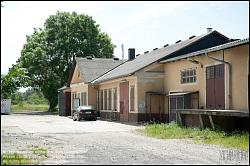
(84, 112)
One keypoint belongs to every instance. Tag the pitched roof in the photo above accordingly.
(62, 88)
(148, 58)
(93, 68)
(216, 48)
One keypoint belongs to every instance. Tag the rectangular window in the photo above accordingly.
(188, 76)
(132, 98)
(219, 71)
(109, 99)
(115, 99)
(105, 100)
(101, 99)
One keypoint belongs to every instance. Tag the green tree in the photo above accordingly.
(48, 53)
(12, 81)
(16, 98)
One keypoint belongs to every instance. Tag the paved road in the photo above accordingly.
(102, 142)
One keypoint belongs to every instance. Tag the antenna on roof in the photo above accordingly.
(122, 51)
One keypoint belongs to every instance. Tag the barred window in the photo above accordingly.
(188, 76)
(215, 71)
(132, 97)
(105, 100)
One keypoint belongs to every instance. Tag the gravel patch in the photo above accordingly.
(106, 143)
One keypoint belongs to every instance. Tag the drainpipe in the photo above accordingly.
(229, 70)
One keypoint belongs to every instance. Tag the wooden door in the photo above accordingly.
(68, 103)
(215, 87)
(172, 116)
(124, 101)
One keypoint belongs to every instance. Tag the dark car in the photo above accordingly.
(84, 112)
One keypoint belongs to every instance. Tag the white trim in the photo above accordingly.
(174, 91)
(77, 84)
(189, 83)
(118, 80)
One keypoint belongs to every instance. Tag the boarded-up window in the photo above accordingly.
(109, 99)
(101, 99)
(83, 98)
(115, 99)
(132, 98)
(105, 100)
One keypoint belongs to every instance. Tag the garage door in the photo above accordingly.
(215, 87)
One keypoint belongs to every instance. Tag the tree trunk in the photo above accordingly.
(52, 105)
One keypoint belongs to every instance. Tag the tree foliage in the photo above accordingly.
(12, 81)
(48, 53)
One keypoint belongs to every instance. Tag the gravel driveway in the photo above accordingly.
(102, 142)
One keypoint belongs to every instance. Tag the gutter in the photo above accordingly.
(229, 69)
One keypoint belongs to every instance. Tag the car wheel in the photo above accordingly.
(78, 117)
(74, 117)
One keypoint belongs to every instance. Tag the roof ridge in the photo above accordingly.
(181, 41)
(210, 49)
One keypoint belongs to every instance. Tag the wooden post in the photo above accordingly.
(211, 121)
(201, 122)
(179, 116)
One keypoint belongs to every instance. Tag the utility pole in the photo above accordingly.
(122, 51)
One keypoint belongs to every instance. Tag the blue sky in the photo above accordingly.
(140, 25)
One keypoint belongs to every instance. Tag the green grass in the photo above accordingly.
(29, 107)
(239, 140)
(14, 159)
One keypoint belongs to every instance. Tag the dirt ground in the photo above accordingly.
(64, 141)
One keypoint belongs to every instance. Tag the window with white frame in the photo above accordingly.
(132, 98)
(109, 99)
(188, 76)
